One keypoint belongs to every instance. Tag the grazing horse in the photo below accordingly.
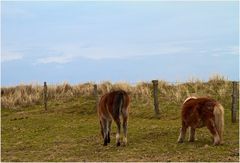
(200, 112)
(111, 106)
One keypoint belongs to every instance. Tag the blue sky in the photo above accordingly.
(118, 41)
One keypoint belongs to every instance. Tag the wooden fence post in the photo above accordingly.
(234, 101)
(45, 95)
(95, 92)
(155, 96)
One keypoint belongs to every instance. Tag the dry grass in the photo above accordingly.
(69, 129)
(26, 95)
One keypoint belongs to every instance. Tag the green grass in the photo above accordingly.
(69, 131)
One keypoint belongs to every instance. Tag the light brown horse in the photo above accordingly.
(111, 106)
(200, 112)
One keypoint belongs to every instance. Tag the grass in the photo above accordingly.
(69, 131)
(25, 95)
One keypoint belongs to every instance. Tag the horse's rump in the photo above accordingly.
(111, 104)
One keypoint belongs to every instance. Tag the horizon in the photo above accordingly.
(79, 42)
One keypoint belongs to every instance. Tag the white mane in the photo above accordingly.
(189, 98)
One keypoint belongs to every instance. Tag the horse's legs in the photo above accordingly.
(101, 129)
(212, 128)
(125, 121)
(109, 131)
(105, 131)
(118, 122)
(192, 134)
(182, 133)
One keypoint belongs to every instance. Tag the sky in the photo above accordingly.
(79, 42)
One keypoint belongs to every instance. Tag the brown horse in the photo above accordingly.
(200, 112)
(111, 106)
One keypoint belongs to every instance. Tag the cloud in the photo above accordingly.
(113, 51)
(64, 54)
(10, 56)
(231, 50)
(234, 50)
(62, 59)
(215, 55)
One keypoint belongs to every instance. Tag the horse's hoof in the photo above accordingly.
(104, 144)
(118, 144)
(180, 141)
(217, 143)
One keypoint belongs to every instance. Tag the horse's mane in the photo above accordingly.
(189, 98)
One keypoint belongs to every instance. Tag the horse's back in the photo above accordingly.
(199, 103)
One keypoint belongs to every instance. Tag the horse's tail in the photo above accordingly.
(119, 103)
(121, 98)
(219, 119)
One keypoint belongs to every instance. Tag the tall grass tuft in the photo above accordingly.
(25, 95)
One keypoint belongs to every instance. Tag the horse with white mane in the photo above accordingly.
(200, 112)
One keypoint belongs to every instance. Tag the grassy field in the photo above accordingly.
(69, 131)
